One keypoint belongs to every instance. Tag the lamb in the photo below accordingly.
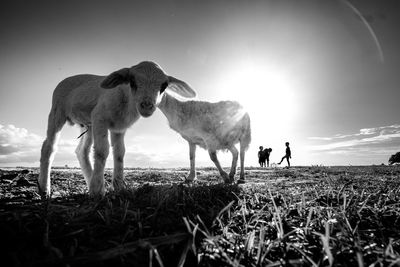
(102, 104)
(212, 126)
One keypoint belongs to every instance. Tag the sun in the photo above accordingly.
(269, 96)
(266, 93)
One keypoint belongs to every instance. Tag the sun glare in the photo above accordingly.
(265, 93)
(268, 95)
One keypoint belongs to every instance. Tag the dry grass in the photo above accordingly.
(303, 216)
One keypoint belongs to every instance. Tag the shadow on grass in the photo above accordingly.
(131, 227)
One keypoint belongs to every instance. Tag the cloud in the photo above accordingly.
(384, 130)
(18, 145)
(385, 140)
(11, 136)
(320, 138)
(7, 149)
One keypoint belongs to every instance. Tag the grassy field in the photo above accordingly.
(303, 216)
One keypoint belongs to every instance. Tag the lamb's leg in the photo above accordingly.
(118, 145)
(242, 153)
(82, 152)
(192, 156)
(235, 154)
(55, 124)
(213, 156)
(101, 150)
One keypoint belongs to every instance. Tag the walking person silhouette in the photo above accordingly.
(288, 154)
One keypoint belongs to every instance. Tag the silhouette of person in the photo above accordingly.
(261, 157)
(288, 154)
(267, 152)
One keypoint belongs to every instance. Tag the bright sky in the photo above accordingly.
(313, 73)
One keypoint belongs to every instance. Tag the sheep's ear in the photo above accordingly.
(180, 87)
(116, 78)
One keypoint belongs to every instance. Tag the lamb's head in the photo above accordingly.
(147, 81)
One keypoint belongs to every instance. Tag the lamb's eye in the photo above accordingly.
(163, 87)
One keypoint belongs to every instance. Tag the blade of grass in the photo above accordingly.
(325, 242)
(276, 217)
(123, 249)
(227, 207)
(305, 256)
(184, 254)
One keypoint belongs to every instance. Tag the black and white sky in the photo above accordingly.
(321, 74)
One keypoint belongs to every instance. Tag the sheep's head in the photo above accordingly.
(147, 81)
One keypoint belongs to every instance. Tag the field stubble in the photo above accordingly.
(303, 216)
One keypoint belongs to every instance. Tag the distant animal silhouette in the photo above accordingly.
(267, 153)
(394, 158)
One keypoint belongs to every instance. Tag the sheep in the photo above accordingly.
(102, 104)
(212, 126)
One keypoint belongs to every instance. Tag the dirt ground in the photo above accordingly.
(153, 221)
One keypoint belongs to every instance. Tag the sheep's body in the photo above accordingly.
(78, 96)
(212, 126)
(85, 100)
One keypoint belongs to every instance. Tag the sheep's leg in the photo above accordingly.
(101, 150)
(55, 124)
(118, 146)
(192, 156)
(82, 152)
(242, 153)
(213, 156)
(235, 155)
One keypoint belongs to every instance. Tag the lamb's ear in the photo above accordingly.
(180, 87)
(116, 78)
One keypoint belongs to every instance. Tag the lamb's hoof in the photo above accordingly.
(190, 179)
(97, 194)
(119, 185)
(227, 179)
(241, 181)
(44, 194)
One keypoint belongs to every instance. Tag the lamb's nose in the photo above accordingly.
(146, 105)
